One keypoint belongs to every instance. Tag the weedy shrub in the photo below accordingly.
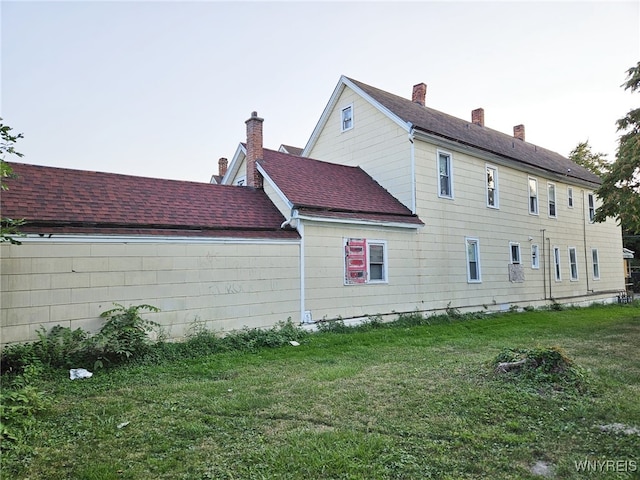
(20, 401)
(542, 368)
(252, 339)
(124, 334)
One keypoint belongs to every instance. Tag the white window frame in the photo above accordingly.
(496, 196)
(591, 204)
(551, 200)
(512, 259)
(535, 210)
(442, 154)
(383, 244)
(557, 265)
(573, 263)
(535, 256)
(595, 262)
(570, 197)
(475, 243)
(346, 118)
(366, 278)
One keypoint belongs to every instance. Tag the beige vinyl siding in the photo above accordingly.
(223, 285)
(326, 294)
(378, 146)
(449, 221)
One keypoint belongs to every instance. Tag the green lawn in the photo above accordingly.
(386, 403)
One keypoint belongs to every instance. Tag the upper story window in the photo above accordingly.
(533, 196)
(570, 197)
(535, 256)
(551, 189)
(241, 181)
(365, 261)
(473, 260)
(445, 178)
(592, 207)
(347, 118)
(492, 187)
(515, 252)
(573, 263)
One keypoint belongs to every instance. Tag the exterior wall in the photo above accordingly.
(327, 296)
(224, 285)
(449, 221)
(375, 144)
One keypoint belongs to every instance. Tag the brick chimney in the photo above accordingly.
(222, 166)
(419, 94)
(254, 150)
(477, 116)
(518, 132)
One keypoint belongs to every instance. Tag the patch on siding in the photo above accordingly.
(516, 273)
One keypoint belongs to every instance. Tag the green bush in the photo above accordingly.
(20, 401)
(124, 334)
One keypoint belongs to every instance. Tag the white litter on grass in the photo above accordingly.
(620, 428)
(294, 343)
(77, 373)
(123, 424)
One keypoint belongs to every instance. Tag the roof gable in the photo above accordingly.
(330, 189)
(59, 198)
(409, 114)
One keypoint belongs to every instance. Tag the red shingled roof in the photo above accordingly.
(331, 190)
(59, 200)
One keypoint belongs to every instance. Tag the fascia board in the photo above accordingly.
(342, 84)
(369, 223)
(236, 161)
(500, 160)
(273, 184)
(70, 238)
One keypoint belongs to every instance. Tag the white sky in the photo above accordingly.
(162, 89)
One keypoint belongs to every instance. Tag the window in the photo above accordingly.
(533, 196)
(570, 197)
(445, 184)
(592, 207)
(347, 118)
(551, 189)
(473, 260)
(535, 257)
(241, 181)
(515, 252)
(492, 187)
(573, 263)
(556, 259)
(365, 261)
(596, 264)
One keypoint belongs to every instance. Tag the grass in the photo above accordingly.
(383, 402)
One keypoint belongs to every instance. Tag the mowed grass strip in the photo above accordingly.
(385, 403)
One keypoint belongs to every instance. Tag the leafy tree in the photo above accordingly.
(620, 188)
(9, 228)
(594, 162)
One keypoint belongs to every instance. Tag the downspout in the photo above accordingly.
(584, 239)
(544, 266)
(413, 169)
(299, 226)
(550, 255)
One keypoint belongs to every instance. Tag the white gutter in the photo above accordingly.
(79, 238)
(369, 223)
(413, 170)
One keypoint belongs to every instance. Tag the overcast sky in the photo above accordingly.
(162, 89)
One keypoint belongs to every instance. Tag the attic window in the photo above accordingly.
(347, 118)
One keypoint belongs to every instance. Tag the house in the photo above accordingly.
(390, 207)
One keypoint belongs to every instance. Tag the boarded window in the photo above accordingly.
(365, 261)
